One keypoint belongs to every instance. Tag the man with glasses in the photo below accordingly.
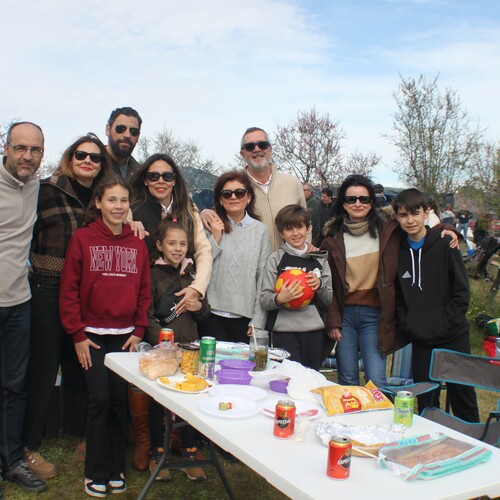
(123, 130)
(19, 188)
(273, 190)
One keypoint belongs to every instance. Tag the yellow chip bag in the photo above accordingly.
(351, 398)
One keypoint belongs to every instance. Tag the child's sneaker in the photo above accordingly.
(164, 474)
(93, 489)
(193, 473)
(117, 485)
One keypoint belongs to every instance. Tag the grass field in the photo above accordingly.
(245, 483)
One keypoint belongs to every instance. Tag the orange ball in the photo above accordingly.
(291, 275)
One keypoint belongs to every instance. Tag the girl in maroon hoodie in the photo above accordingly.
(104, 301)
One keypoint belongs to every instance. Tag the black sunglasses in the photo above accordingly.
(227, 194)
(155, 176)
(351, 200)
(94, 157)
(134, 131)
(250, 146)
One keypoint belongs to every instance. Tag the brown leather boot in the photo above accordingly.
(139, 411)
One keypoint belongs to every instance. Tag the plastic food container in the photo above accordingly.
(228, 376)
(237, 364)
(279, 385)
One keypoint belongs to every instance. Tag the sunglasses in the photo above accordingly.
(351, 200)
(134, 131)
(250, 146)
(155, 176)
(227, 194)
(94, 157)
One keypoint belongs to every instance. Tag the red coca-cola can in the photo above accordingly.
(166, 334)
(339, 457)
(284, 419)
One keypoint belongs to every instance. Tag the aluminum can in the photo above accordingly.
(404, 404)
(166, 334)
(207, 357)
(339, 457)
(284, 419)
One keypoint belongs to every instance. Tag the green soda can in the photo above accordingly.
(207, 357)
(404, 405)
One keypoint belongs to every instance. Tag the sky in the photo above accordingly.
(208, 69)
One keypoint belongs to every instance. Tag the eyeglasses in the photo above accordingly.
(227, 194)
(134, 131)
(351, 200)
(21, 149)
(94, 157)
(155, 176)
(250, 146)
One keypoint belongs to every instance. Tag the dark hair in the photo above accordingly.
(65, 164)
(127, 111)
(378, 188)
(233, 175)
(249, 131)
(16, 124)
(410, 199)
(292, 216)
(339, 211)
(327, 191)
(433, 205)
(166, 225)
(104, 184)
(183, 208)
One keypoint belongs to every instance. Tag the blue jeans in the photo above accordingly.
(463, 228)
(15, 326)
(359, 333)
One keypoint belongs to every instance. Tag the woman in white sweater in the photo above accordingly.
(240, 249)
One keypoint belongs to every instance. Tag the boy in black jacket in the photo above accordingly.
(431, 300)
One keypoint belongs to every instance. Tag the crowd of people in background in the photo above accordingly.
(118, 250)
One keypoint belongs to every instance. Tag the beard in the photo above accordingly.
(259, 164)
(117, 149)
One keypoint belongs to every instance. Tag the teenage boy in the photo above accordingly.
(432, 298)
(299, 331)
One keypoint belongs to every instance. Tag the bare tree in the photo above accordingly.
(309, 148)
(185, 153)
(360, 163)
(483, 184)
(433, 134)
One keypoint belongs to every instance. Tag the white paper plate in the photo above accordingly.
(268, 408)
(242, 408)
(277, 354)
(247, 392)
(177, 380)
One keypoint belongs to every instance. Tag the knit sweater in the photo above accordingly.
(283, 190)
(105, 281)
(18, 214)
(309, 318)
(238, 267)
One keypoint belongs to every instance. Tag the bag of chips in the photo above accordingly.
(351, 398)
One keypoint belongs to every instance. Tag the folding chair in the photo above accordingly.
(475, 371)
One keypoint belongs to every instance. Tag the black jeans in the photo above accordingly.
(226, 329)
(14, 352)
(463, 399)
(106, 416)
(305, 348)
(50, 347)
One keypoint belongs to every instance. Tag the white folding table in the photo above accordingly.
(298, 469)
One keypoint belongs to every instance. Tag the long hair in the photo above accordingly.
(339, 211)
(104, 184)
(241, 177)
(183, 209)
(65, 166)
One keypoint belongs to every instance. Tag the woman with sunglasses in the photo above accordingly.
(240, 248)
(62, 204)
(363, 256)
(160, 191)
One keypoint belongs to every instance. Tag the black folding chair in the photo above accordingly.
(475, 371)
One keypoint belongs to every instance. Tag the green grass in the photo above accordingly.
(245, 483)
